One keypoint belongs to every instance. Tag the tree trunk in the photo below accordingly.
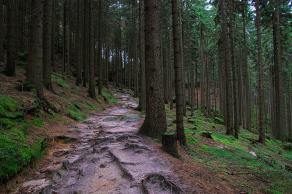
(91, 44)
(155, 120)
(12, 37)
(2, 34)
(279, 121)
(47, 43)
(100, 65)
(79, 45)
(178, 68)
(142, 93)
(36, 47)
(260, 74)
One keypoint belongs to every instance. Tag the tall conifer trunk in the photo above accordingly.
(155, 120)
(178, 68)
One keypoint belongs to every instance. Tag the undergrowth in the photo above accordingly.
(74, 112)
(15, 152)
(108, 96)
(269, 165)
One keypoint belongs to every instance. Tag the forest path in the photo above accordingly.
(109, 157)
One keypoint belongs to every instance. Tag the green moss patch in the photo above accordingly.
(15, 152)
(244, 161)
(60, 81)
(74, 112)
(108, 96)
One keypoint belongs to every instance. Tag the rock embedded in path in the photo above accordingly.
(36, 186)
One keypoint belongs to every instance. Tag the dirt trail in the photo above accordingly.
(109, 157)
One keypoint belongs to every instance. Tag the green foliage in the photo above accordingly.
(90, 106)
(60, 81)
(75, 113)
(108, 96)
(15, 153)
(7, 104)
(225, 153)
(37, 122)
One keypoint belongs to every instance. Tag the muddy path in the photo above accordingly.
(108, 156)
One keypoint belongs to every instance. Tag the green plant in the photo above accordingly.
(75, 113)
(60, 81)
(108, 96)
(15, 153)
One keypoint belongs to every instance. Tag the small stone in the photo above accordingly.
(65, 164)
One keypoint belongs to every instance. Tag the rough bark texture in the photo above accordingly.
(260, 75)
(79, 41)
(36, 51)
(169, 144)
(99, 52)
(278, 118)
(142, 93)
(12, 37)
(155, 120)
(227, 58)
(91, 45)
(178, 69)
(2, 34)
(47, 43)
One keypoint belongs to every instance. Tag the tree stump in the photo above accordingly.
(207, 135)
(169, 144)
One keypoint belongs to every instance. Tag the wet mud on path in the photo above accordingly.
(107, 157)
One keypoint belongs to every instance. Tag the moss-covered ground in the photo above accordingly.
(22, 135)
(246, 164)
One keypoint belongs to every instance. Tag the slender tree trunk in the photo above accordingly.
(91, 44)
(79, 65)
(155, 120)
(2, 34)
(279, 121)
(47, 43)
(36, 50)
(12, 37)
(100, 48)
(142, 93)
(260, 74)
(178, 68)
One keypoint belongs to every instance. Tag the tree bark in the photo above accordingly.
(2, 34)
(91, 44)
(36, 47)
(260, 74)
(178, 68)
(47, 43)
(279, 116)
(99, 54)
(12, 37)
(142, 93)
(155, 120)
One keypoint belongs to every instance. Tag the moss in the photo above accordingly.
(60, 81)
(7, 104)
(37, 122)
(15, 153)
(108, 96)
(75, 113)
(6, 123)
(224, 153)
(90, 106)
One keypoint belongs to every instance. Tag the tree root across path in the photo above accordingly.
(108, 157)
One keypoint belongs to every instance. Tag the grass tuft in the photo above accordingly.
(75, 113)
(108, 96)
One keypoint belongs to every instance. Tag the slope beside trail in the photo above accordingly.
(108, 156)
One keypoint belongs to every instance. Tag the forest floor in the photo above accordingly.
(92, 146)
(105, 154)
(245, 164)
